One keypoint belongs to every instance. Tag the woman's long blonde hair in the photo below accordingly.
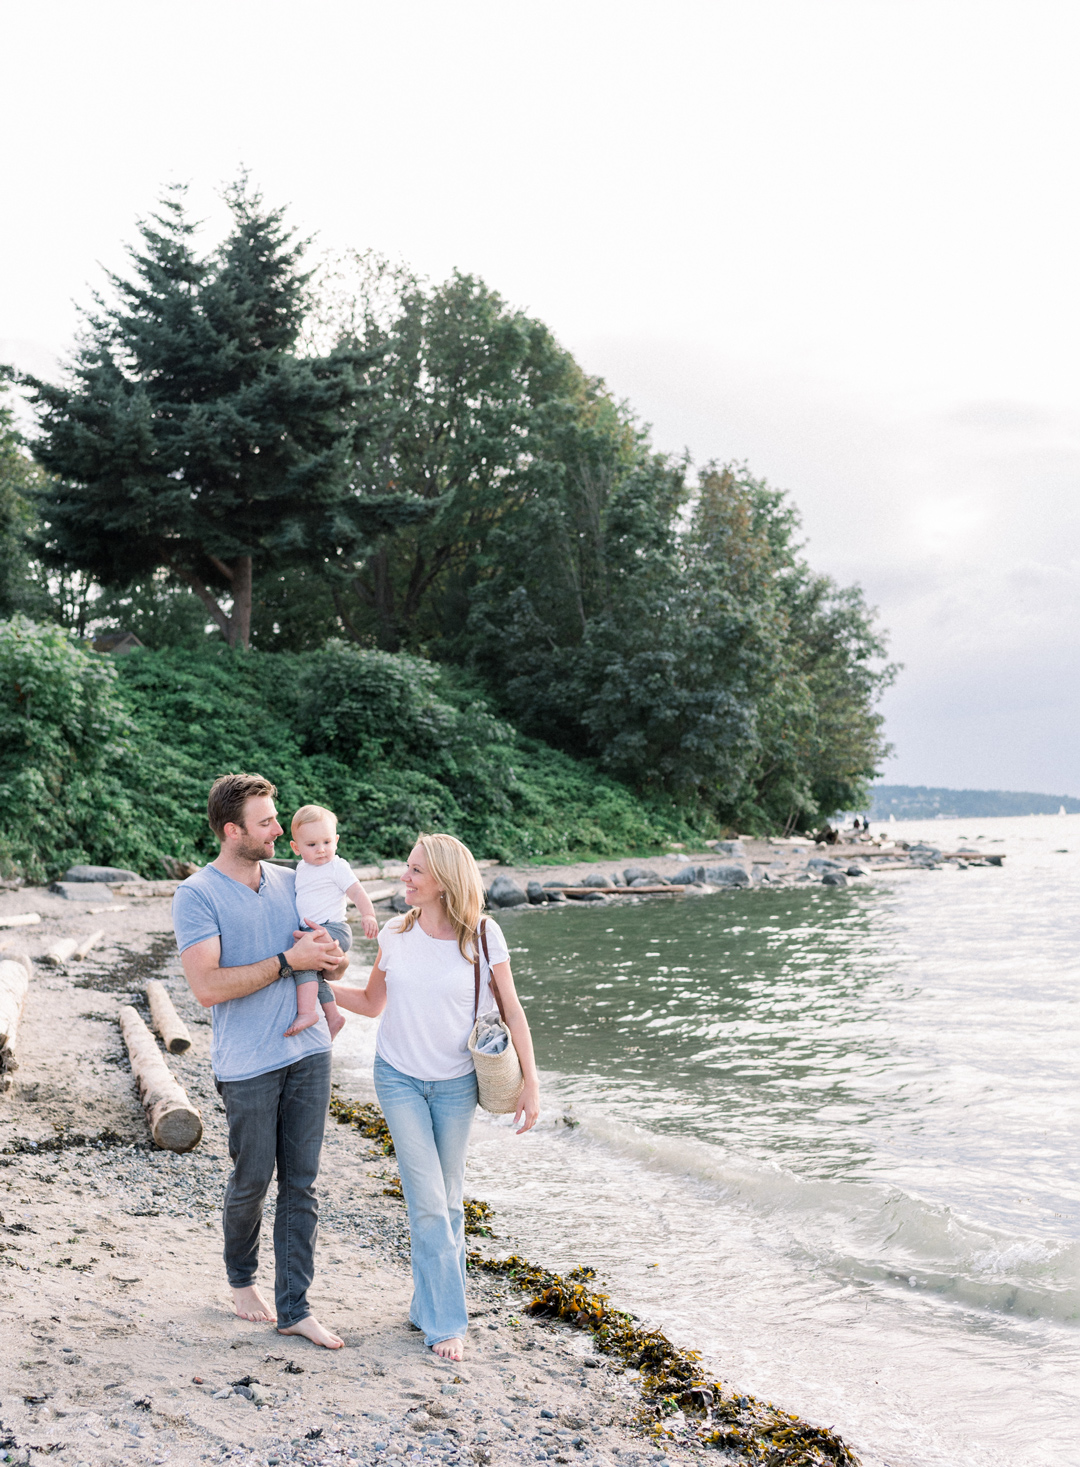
(454, 868)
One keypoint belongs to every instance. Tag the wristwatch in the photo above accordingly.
(283, 964)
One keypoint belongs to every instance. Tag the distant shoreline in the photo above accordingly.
(925, 802)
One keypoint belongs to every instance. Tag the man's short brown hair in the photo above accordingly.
(229, 794)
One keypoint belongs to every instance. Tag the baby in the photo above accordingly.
(324, 883)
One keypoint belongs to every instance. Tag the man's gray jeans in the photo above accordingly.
(276, 1120)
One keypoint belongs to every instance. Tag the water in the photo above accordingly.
(825, 1137)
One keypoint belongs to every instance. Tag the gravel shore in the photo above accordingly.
(118, 1343)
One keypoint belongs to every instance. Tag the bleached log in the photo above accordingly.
(20, 919)
(89, 942)
(61, 950)
(168, 1023)
(174, 1122)
(14, 982)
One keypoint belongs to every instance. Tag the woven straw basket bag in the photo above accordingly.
(499, 1080)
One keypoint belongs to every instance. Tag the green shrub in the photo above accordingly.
(111, 762)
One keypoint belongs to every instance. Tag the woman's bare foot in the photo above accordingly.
(301, 1022)
(250, 1304)
(452, 1349)
(312, 1330)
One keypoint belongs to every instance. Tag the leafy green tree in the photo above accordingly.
(23, 586)
(677, 637)
(462, 392)
(191, 435)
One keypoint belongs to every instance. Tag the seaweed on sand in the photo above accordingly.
(673, 1383)
(366, 1118)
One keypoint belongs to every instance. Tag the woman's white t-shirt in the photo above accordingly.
(430, 989)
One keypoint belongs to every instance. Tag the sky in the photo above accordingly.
(837, 239)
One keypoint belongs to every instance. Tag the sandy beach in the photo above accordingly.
(118, 1343)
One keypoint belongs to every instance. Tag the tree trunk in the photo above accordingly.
(240, 620)
(174, 1122)
(235, 626)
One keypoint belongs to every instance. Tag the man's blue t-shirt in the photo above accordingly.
(248, 1033)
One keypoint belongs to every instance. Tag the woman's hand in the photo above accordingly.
(528, 1107)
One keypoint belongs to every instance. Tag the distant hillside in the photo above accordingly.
(918, 802)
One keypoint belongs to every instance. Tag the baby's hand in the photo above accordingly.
(371, 926)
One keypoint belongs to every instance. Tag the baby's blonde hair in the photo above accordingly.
(308, 814)
(453, 866)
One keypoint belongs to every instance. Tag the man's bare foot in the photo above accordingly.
(312, 1330)
(335, 1019)
(452, 1349)
(250, 1304)
(301, 1022)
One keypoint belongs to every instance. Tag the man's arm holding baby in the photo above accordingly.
(360, 898)
(211, 983)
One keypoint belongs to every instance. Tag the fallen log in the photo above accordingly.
(21, 919)
(168, 1023)
(61, 950)
(14, 982)
(89, 942)
(174, 1122)
(664, 890)
(143, 888)
(381, 891)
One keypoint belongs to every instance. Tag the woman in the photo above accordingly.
(424, 1075)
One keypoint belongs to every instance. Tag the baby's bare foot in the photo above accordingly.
(335, 1019)
(250, 1304)
(312, 1330)
(452, 1349)
(302, 1021)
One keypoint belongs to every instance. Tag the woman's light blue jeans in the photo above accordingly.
(430, 1122)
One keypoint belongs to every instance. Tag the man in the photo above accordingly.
(236, 929)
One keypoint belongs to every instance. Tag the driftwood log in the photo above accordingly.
(168, 1023)
(14, 982)
(88, 942)
(573, 891)
(60, 951)
(174, 1122)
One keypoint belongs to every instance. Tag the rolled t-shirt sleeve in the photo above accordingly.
(194, 918)
(497, 950)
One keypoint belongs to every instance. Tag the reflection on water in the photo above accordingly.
(756, 1024)
(841, 1124)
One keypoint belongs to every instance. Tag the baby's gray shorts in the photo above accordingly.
(341, 932)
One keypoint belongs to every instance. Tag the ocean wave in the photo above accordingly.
(865, 1231)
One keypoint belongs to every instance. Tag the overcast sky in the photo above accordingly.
(839, 240)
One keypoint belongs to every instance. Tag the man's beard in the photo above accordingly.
(252, 850)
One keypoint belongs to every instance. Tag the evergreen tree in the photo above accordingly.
(191, 435)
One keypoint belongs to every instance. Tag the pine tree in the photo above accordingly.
(192, 435)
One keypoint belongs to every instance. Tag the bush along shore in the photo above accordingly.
(118, 1337)
(107, 761)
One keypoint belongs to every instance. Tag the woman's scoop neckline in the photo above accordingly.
(429, 936)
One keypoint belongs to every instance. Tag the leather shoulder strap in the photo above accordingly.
(491, 975)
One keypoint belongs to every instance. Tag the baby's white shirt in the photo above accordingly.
(320, 890)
